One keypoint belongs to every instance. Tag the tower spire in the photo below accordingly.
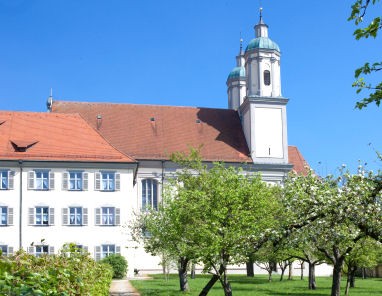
(49, 102)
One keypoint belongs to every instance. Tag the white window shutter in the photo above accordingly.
(10, 251)
(51, 250)
(65, 182)
(11, 182)
(31, 250)
(117, 216)
(10, 216)
(65, 219)
(97, 253)
(51, 181)
(97, 182)
(117, 181)
(118, 250)
(51, 216)
(85, 181)
(85, 219)
(31, 180)
(31, 216)
(97, 216)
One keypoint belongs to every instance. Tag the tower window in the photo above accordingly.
(267, 77)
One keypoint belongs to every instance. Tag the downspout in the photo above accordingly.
(135, 174)
(21, 206)
(162, 181)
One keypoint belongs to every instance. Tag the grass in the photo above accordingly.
(257, 286)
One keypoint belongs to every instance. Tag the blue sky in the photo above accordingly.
(180, 52)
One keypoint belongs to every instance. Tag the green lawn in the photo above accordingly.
(257, 286)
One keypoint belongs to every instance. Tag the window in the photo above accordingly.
(6, 250)
(108, 216)
(107, 181)
(149, 194)
(41, 216)
(41, 180)
(106, 250)
(6, 179)
(75, 181)
(267, 77)
(75, 216)
(6, 216)
(41, 250)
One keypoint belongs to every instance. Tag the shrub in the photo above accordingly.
(72, 272)
(118, 263)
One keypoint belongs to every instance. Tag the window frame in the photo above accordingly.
(33, 212)
(80, 180)
(6, 176)
(267, 77)
(112, 184)
(8, 214)
(100, 216)
(6, 250)
(33, 250)
(99, 251)
(149, 194)
(36, 182)
(66, 216)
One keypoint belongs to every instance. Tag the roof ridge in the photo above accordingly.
(136, 104)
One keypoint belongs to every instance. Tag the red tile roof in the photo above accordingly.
(295, 157)
(55, 137)
(154, 132)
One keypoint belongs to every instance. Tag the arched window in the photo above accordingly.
(149, 194)
(267, 77)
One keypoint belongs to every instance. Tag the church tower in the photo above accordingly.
(263, 110)
(236, 82)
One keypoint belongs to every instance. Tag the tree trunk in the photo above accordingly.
(312, 276)
(302, 270)
(348, 282)
(212, 281)
(209, 285)
(182, 271)
(250, 270)
(269, 275)
(290, 271)
(352, 277)
(193, 271)
(227, 289)
(336, 283)
(226, 285)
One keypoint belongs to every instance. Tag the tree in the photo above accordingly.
(358, 14)
(364, 255)
(213, 215)
(231, 213)
(331, 210)
(302, 247)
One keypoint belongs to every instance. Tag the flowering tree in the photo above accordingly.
(336, 213)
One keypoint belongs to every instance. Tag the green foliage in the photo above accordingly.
(72, 272)
(358, 14)
(118, 264)
(214, 216)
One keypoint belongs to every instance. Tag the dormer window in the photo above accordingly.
(267, 77)
(22, 145)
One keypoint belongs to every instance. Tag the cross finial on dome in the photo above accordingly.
(241, 44)
(261, 16)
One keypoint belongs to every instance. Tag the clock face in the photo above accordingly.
(268, 132)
